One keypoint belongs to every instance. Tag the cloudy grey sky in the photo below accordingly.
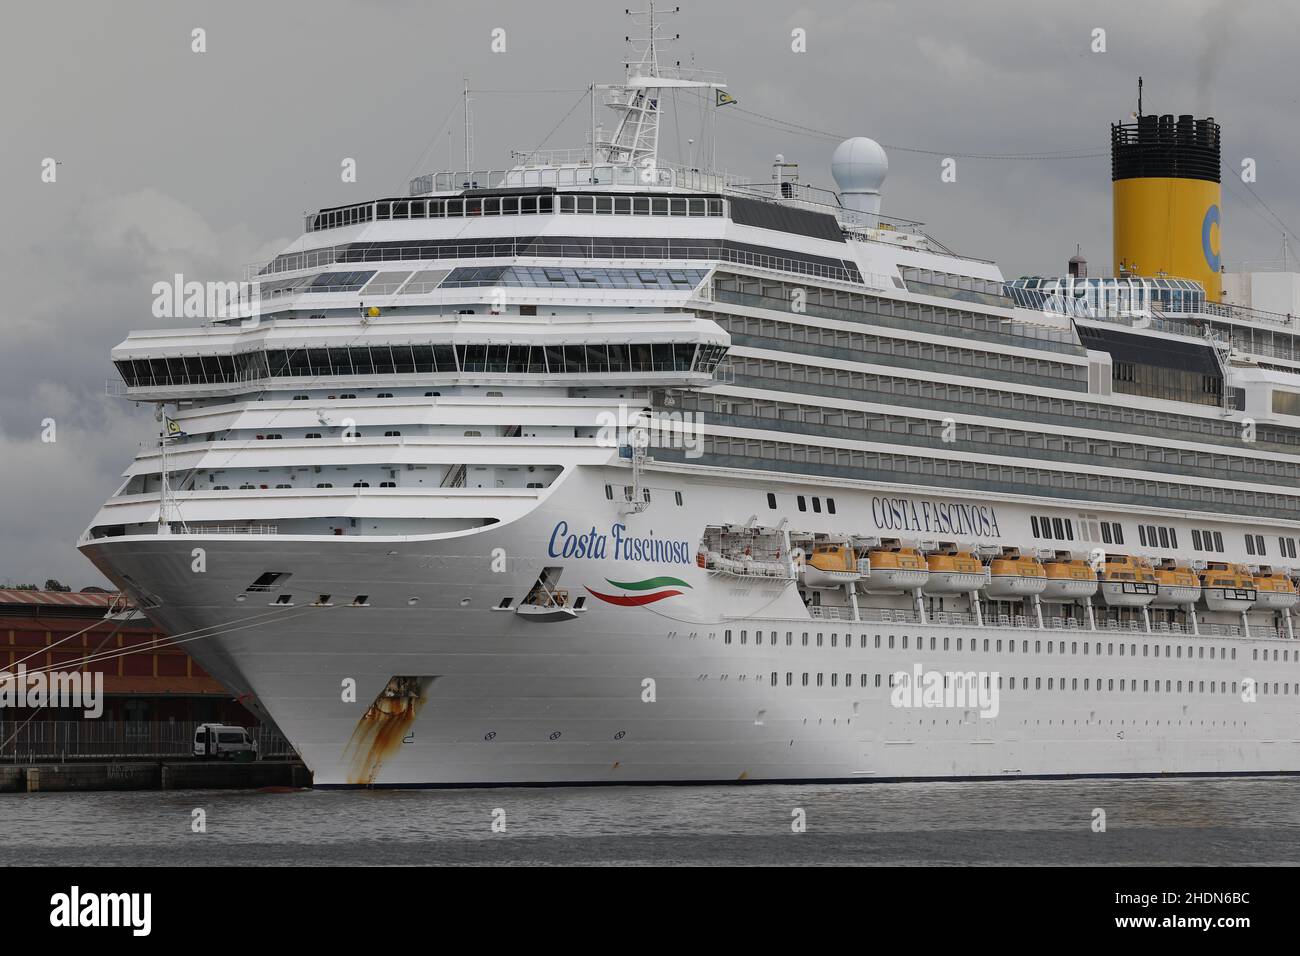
(173, 161)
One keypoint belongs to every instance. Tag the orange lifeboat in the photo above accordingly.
(1127, 581)
(1069, 580)
(1177, 586)
(830, 566)
(1274, 590)
(1228, 587)
(895, 569)
(958, 572)
(1014, 576)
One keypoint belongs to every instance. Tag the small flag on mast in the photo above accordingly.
(724, 98)
(174, 429)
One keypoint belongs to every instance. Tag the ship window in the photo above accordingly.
(1165, 534)
(1058, 529)
(678, 496)
(360, 484)
(830, 506)
(1218, 541)
(361, 600)
(1105, 533)
(803, 505)
(1142, 534)
(1196, 539)
(1069, 530)
(388, 484)
(1250, 544)
(609, 492)
(817, 505)
(771, 500)
(1033, 523)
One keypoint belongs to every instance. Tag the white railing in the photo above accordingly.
(226, 529)
(60, 740)
(1107, 626)
(540, 249)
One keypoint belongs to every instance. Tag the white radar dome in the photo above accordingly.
(859, 166)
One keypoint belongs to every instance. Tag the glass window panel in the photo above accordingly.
(554, 359)
(444, 358)
(361, 360)
(574, 358)
(422, 358)
(403, 364)
(597, 358)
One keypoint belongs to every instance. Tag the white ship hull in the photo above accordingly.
(509, 701)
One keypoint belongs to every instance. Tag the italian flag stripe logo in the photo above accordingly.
(650, 590)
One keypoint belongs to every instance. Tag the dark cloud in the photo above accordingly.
(199, 163)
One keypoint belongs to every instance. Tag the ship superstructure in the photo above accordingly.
(600, 469)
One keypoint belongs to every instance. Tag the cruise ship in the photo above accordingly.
(600, 468)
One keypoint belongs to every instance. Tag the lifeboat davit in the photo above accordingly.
(1274, 591)
(957, 573)
(1069, 581)
(1176, 587)
(894, 570)
(1011, 576)
(1127, 581)
(830, 566)
(1227, 587)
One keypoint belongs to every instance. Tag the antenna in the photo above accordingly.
(469, 131)
(636, 140)
(1139, 97)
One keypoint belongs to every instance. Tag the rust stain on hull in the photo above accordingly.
(381, 729)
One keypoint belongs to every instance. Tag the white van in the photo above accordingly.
(223, 740)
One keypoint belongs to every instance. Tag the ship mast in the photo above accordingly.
(636, 139)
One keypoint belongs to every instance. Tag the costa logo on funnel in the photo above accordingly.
(646, 592)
